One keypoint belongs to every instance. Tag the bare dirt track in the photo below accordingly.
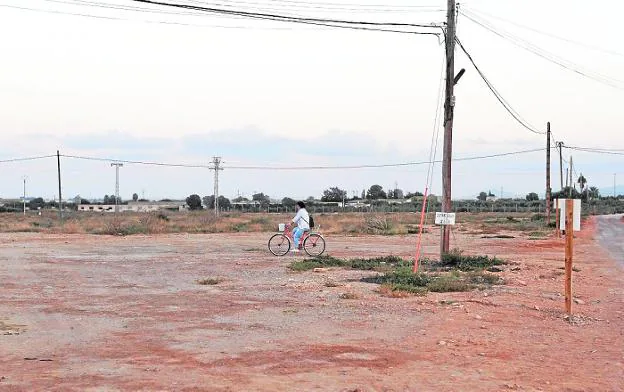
(104, 313)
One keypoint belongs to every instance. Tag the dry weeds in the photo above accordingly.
(205, 222)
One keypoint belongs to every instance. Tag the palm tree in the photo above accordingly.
(582, 181)
(593, 192)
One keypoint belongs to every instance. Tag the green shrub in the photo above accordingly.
(456, 260)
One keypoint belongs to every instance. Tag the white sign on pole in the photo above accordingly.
(445, 218)
(577, 214)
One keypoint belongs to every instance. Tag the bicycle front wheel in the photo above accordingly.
(314, 245)
(279, 244)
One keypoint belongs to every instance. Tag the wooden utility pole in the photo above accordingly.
(560, 145)
(449, 105)
(548, 173)
(569, 248)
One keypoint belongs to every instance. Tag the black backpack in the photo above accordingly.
(311, 222)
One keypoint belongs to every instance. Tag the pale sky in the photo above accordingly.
(278, 94)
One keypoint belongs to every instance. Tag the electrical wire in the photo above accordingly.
(498, 96)
(352, 4)
(581, 44)
(435, 137)
(336, 23)
(526, 45)
(596, 150)
(148, 163)
(312, 7)
(96, 4)
(365, 166)
(27, 159)
(381, 165)
(133, 20)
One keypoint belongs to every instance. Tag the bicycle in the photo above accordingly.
(312, 242)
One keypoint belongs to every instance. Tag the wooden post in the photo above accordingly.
(557, 220)
(449, 106)
(569, 223)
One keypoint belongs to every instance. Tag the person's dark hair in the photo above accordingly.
(301, 204)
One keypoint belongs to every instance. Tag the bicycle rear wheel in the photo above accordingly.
(279, 244)
(314, 245)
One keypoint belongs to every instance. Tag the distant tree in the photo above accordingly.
(482, 196)
(208, 201)
(334, 194)
(143, 200)
(262, 198)
(224, 203)
(376, 192)
(411, 195)
(36, 204)
(288, 202)
(532, 196)
(77, 199)
(395, 193)
(565, 194)
(85, 201)
(310, 199)
(582, 181)
(194, 202)
(111, 199)
(166, 200)
(240, 199)
(135, 197)
(363, 193)
(593, 193)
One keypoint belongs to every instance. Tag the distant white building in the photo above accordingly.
(135, 206)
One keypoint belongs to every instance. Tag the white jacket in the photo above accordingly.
(302, 219)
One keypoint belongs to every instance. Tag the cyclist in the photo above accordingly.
(302, 220)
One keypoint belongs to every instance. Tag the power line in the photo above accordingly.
(596, 150)
(352, 4)
(498, 96)
(85, 3)
(132, 20)
(382, 165)
(26, 159)
(526, 45)
(144, 21)
(337, 167)
(148, 163)
(581, 44)
(296, 5)
(336, 23)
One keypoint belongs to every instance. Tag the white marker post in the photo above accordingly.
(445, 218)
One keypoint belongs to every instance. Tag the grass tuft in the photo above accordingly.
(383, 263)
(348, 296)
(317, 262)
(456, 260)
(209, 281)
(404, 280)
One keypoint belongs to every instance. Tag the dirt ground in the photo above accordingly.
(106, 313)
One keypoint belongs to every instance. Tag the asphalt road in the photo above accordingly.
(611, 235)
